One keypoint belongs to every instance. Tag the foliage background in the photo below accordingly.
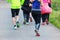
(55, 15)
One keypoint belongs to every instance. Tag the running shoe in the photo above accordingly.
(18, 24)
(37, 34)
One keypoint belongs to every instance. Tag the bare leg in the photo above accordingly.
(14, 21)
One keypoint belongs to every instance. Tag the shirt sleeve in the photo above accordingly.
(22, 2)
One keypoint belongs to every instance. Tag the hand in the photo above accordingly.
(39, 0)
(30, 5)
(31, 0)
(42, 4)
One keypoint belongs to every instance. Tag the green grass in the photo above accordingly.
(55, 18)
(56, 4)
(55, 15)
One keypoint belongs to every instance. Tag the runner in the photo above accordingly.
(15, 7)
(26, 11)
(36, 14)
(45, 16)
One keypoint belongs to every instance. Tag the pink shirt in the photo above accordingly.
(49, 1)
(46, 1)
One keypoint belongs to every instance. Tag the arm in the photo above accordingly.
(30, 4)
(31, 0)
(51, 1)
(41, 2)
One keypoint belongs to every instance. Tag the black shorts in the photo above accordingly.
(15, 12)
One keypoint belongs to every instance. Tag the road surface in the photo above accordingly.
(25, 32)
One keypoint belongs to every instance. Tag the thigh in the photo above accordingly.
(37, 16)
(17, 11)
(13, 12)
(48, 16)
(34, 16)
(44, 16)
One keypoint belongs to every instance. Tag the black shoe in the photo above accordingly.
(24, 22)
(47, 23)
(18, 24)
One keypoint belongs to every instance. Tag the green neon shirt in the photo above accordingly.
(16, 4)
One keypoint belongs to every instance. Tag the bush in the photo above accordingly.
(56, 4)
(55, 18)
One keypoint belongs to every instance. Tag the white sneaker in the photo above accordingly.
(15, 28)
(27, 23)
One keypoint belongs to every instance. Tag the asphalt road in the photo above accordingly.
(25, 32)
